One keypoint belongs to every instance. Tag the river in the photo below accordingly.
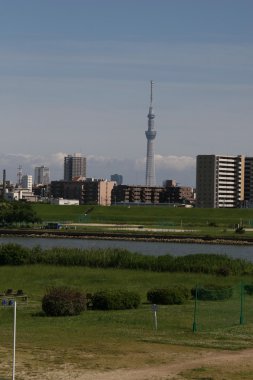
(147, 248)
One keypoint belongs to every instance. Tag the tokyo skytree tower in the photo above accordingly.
(150, 134)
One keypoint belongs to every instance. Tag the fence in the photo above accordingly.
(222, 307)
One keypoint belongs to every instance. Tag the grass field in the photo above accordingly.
(110, 340)
(148, 215)
(151, 220)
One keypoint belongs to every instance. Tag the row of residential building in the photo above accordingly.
(169, 193)
(101, 192)
(222, 181)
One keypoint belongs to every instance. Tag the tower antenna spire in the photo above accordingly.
(151, 92)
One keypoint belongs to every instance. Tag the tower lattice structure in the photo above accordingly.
(150, 134)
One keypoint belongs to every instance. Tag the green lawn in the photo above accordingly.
(56, 213)
(121, 325)
(161, 216)
(113, 339)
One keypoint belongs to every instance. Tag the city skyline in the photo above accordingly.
(76, 77)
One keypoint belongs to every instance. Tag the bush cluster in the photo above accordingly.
(212, 292)
(248, 289)
(63, 301)
(223, 271)
(175, 295)
(14, 254)
(115, 300)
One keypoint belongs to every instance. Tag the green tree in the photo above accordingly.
(17, 212)
(5, 211)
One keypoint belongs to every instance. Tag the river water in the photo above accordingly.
(147, 248)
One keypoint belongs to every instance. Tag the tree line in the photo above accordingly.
(16, 213)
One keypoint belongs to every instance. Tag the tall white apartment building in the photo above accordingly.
(220, 181)
(41, 175)
(27, 182)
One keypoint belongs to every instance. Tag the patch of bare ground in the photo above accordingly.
(175, 363)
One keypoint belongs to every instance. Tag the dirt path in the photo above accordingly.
(220, 363)
(173, 370)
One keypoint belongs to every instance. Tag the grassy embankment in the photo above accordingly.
(113, 339)
(117, 339)
(197, 222)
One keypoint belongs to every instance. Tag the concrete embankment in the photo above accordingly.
(124, 236)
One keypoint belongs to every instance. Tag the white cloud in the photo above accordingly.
(174, 162)
(182, 168)
(100, 159)
(27, 162)
(57, 158)
(30, 160)
(169, 162)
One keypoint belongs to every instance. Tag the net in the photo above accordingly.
(218, 307)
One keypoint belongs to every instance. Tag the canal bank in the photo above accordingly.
(129, 236)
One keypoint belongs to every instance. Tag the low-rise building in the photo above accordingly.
(90, 191)
(174, 193)
(19, 194)
(64, 202)
(136, 194)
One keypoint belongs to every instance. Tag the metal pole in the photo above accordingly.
(155, 320)
(241, 311)
(194, 326)
(14, 341)
(154, 311)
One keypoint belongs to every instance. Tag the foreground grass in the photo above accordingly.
(175, 322)
(114, 339)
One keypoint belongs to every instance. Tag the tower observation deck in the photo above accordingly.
(150, 134)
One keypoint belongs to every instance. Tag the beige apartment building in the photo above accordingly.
(220, 181)
(91, 191)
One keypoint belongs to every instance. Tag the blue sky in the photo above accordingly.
(75, 75)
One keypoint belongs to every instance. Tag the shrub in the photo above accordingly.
(115, 300)
(239, 230)
(212, 292)
(212, 224)
(248, 289)
(14, 254)
(175, 295)
(63, 301)
(223, 271)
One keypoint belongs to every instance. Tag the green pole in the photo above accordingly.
(241, 308)
(194, 325)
